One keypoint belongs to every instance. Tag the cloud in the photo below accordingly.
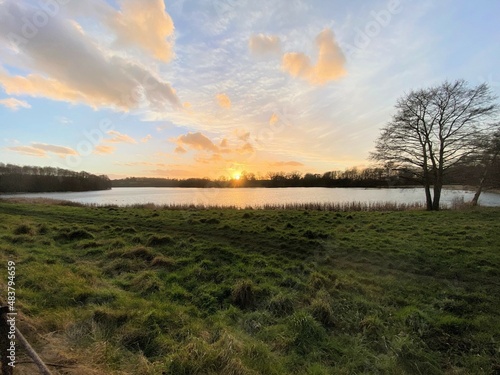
(14, 104)
(330, 64)
(242, 136)
(119, 137)
(64, 120)
(59, 150)
(214, 158)
(146, 138)
(68, 65)
(223, 100)
(196, 141)
(146, 25)
(28, 150)
(262, 45)
(274, 119)
(246, 148)
(180, 150)
(170, 173)
(103, 150)
(286, 164)
(41, 150)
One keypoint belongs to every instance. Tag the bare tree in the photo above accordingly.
(489, 162)
(434, 129)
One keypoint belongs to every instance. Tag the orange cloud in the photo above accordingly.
(146, 138)
(180, 150)
(262, 45)
(274, 119)
(14, 104)
(196, 141)
(41, 150)
(214, 158)
(119, 137)
(103, 150)
(330, 65)
(146, 25)
(223, 100)
(286, 164)
(59, 150)
(28, 150)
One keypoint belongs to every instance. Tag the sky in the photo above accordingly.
(198, 88)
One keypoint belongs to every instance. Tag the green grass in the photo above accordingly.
(158, 291)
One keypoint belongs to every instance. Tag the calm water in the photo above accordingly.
(258, 196)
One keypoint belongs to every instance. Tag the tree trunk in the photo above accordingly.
(428, 197)
(483, 179)
(437, 196)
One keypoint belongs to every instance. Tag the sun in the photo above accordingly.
(236, 176)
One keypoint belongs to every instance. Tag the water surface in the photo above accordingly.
(243, 197)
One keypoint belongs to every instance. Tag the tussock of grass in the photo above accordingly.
(155, 240)
(23, 229)
(243, 294)
(162, 262)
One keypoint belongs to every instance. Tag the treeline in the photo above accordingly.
(32, 179)
(369, 177)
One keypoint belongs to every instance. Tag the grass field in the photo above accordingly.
(148, 291)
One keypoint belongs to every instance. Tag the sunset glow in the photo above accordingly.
(217, 88)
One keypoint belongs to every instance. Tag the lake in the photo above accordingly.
(243, 197)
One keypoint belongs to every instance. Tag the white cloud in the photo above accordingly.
(262, 45)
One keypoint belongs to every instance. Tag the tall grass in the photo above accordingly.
(308, 206)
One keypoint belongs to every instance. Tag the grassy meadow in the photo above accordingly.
(107, 290)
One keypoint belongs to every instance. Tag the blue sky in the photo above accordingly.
(192, 88)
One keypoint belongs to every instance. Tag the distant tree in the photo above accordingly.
(490, 159)
(435, 129)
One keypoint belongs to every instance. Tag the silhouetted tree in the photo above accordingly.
(435, 129)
